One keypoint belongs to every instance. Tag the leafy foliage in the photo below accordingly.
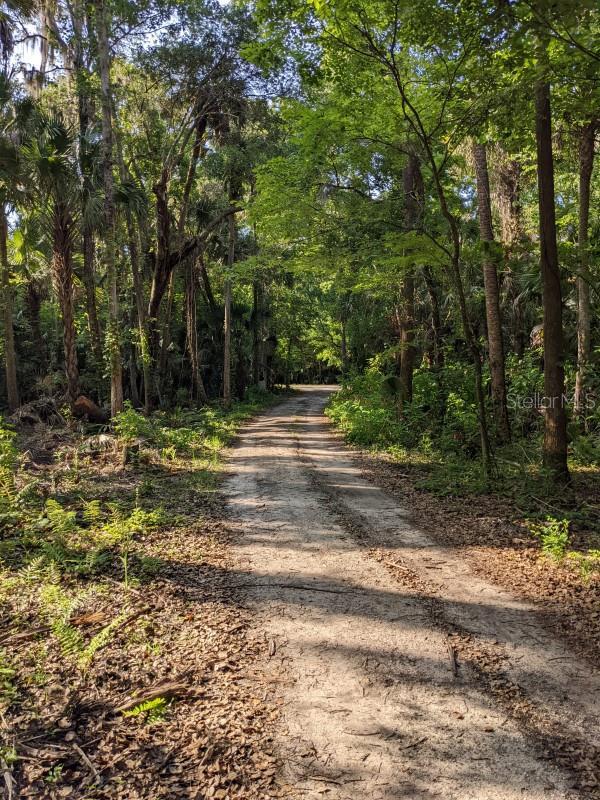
(151, 710)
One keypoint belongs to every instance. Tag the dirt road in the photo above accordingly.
(403, 675)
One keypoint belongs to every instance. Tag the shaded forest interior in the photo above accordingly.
(203, 203)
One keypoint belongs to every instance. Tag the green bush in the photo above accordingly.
(553, 535)
(10, 497)
(441, 417)
(525, 380)
(130, 425)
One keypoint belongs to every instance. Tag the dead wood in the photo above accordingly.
(166, 690)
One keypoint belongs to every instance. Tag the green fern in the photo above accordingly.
(97, 642)
(55, 602)
(62, 522)
(8, 690)
(69, 638)
(39, 570)
(92, 511)
(155, 710)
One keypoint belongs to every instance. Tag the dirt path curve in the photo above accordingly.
(403, 675)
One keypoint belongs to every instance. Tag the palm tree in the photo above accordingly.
(10, 13)
(50, 156)
(9, 179)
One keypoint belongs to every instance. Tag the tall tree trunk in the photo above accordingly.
(584, 343)
(508, 197)
(62, 269)
(407, 349)
(227, 314)
(412, 183)
(191, 280)
(436, 320)
(413, 118)
(206, 285)
(138, 282)
(200, 129)
(89, 282)
(114, 343)
(80, 76)
(492, 294)
(140, 307)
(257, 332)
(33, 303)
(455, 274)
(344, 346)
(165, 317)
(555, 419)
(259, 365)
(10, 356)
(288, 363)
(133, 371)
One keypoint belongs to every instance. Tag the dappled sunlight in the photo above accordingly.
(383, 698)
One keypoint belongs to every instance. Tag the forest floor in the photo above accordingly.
(129, 668)
(307, 625)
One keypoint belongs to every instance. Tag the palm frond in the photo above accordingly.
(130, 194)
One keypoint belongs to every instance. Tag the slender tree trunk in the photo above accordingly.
(413, 118)
(508, 198)
(227, 344)
(165, 334)
(140, 307)
(114, 344)
(208, 292)
(80, 76)
(62, 268)
(344, 346)
(412, 184)
(436, 320)
(133, 371)
(584, 343)
(191, 279)
(257, 332)
(33, 302)
(89, 282)
(406, 324)
(227, 315)
(200, 130)
(492, 294)
(138, 283)
(555, 419)
(10, 356)
(486, 454)
(288, 363)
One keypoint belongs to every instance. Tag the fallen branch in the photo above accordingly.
(24, 636)
(166, 690)
(414, 744)
(8, 778)
(87, 762)
(132, 618)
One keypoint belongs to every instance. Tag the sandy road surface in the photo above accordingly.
(422, 681)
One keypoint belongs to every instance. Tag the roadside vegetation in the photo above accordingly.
(203, 201)
(440, 452)
(99, 641)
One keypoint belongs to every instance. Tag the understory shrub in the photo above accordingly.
(440, 418)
